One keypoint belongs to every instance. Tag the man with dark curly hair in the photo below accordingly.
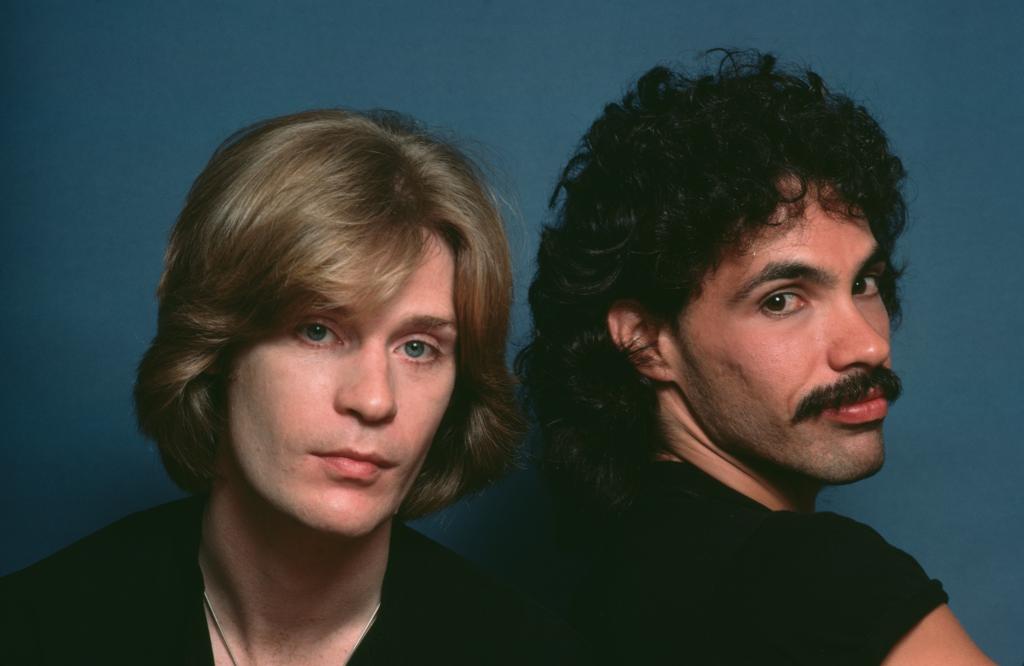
(712, 312)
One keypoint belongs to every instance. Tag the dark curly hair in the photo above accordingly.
(681, 169)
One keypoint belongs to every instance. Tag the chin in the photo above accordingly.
(855, 461)
(349, 530)
(350, 519)
(845, 477)
(339, 513)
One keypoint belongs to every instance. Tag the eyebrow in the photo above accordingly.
(428, 322)
(797, 270)
(423, 321)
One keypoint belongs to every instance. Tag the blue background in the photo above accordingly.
(111, 109)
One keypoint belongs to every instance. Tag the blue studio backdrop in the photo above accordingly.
(112, 108)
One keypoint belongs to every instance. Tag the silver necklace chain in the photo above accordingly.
(220, 630)
(231, 656)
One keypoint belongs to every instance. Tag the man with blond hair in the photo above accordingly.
(329, 360)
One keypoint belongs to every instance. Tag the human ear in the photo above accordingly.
(636, 332)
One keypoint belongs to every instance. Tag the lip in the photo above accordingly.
(873, 408)
(354, 466)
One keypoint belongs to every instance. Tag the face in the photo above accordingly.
(330, 420)
(795, 317)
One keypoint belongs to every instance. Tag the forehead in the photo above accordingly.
(426, 294)
(829, 243)
(431, 284)
(372, 285)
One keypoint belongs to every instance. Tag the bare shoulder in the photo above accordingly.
(939, 638)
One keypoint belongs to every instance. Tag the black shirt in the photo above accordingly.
(698, 573)
(132, 594)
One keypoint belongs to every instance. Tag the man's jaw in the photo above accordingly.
(689, 443)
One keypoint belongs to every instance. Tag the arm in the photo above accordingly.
(937, 639)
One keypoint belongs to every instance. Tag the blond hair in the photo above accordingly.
(328, 207)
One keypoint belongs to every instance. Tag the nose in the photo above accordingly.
(859, 337)
(366, 388)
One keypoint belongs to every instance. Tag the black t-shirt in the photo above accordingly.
(132, 594)
(700, 574)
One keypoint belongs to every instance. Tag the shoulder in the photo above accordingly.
(411, 548)
(682, 515)
(849, 591)
(451, 609)
(725, 583)
(657, 571)
(430, 572)
(826, 548)
(681, 533)
(112, 552)
(125, 579)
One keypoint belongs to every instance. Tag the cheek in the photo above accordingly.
(427, 398)
(267, 407)
(877, 316)
(430, 400)
(251, 420)
(775, 368)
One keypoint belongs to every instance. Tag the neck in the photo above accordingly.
(281, 587)
(774, 489)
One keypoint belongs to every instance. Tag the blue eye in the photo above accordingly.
(415, 348)
(315, 332)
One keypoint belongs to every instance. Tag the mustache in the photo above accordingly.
(849, 390)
